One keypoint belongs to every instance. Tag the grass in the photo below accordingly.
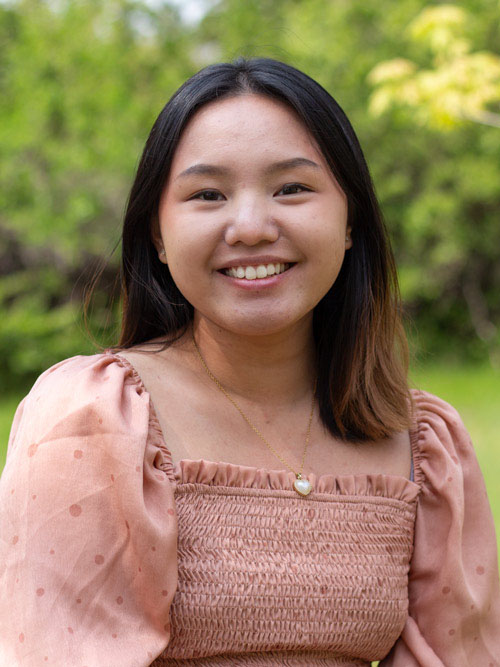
(7, 409)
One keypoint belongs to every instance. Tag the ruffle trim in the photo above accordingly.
(155, 433)
(213, 473)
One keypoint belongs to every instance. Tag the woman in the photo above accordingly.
(245, 479)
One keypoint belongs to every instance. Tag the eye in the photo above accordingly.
(293, 189)
(208, 195)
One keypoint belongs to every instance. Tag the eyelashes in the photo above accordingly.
(286, 190)
(298, 187)
(208, 195)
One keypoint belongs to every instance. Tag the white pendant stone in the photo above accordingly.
(302, 486)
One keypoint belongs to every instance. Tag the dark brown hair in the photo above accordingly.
(360, 342)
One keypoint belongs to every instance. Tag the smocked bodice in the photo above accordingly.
(267, 577)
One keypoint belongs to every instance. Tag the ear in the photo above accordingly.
(157, 240)
(348, 238)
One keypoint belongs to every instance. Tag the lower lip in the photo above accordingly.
(258, 283)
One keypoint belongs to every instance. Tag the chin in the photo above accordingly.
(258, 325)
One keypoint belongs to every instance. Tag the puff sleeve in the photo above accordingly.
(88, 529)
(454, 597)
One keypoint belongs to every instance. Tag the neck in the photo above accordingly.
(276, 369)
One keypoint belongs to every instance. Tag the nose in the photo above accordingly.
(250, 222)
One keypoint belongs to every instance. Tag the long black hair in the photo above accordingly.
(361, 348)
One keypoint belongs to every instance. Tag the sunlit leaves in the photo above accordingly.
(459, 86)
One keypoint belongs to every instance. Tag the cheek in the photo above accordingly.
(188, 257)
(327, 239)
(333, 267)
(185, 244)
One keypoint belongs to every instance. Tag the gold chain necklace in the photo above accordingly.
(302, 485)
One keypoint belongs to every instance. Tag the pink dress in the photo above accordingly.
(111, 555)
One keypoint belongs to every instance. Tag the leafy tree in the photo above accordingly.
(82, 83)
(458, 87)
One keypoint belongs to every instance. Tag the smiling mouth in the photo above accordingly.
(256, 272)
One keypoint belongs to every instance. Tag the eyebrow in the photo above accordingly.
(217, 170)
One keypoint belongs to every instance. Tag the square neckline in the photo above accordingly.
(177, 466)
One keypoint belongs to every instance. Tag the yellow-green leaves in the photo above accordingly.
(459, 85)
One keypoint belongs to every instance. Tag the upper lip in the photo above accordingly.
(254, 261)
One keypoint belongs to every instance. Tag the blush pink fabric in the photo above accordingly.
(111, 555)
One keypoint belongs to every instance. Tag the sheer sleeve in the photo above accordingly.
(454, 598)
(88, 529)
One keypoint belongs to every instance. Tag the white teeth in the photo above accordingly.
(250, 273)
(254, 272)
(261, 271)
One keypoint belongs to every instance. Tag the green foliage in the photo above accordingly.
(449, 226)
(82, 87)
(82, 83)
(8, 406)
(83, 80)
(460, 84)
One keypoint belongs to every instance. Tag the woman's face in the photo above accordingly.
(249, 191)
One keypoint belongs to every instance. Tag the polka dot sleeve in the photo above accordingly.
(454, 598)
(88, 530)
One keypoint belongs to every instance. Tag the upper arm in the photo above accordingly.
(454, 593)
(87, 524)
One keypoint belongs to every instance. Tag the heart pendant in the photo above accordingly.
(302, 486)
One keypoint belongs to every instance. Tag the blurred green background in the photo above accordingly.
(82, 82)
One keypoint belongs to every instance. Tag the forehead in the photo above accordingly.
(245, 128)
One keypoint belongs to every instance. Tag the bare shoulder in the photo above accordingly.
(167, 374)
(400, 440)
(175, 395)
(397, 449)
(154, 360)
